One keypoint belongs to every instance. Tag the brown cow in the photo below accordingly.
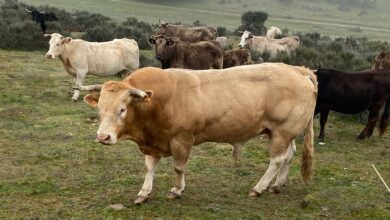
(236, 57)
(166, 112)
(174, 53)
(186, 33)
(382, 61)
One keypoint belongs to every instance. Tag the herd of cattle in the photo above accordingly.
(203, 93)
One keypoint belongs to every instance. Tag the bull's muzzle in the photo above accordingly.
(103, 138)
(49, 56)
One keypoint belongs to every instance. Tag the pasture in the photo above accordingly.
(328, 21)
(51, 166)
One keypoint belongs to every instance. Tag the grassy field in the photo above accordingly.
(51, 167)
(329, 21)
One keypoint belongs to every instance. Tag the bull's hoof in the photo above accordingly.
(73, 99)
(140, 199)
(173, 195)
(275, 189)
(254, 193)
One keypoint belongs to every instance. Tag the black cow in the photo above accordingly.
(351, 93)
(42, 17)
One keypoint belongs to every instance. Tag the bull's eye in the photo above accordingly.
(121, 111)
(58, 45)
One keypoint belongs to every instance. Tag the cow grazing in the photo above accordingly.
(186, 33)
(174, 53)
(262, 44)
(80, 57)
(351, 93)
(222, 41)
(166, 112)
(42, 17)
(236, 57)
(381, 61)
(273, 32)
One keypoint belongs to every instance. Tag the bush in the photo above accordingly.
(341, 53)
(253, 21)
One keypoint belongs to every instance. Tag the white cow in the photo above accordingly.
(262, 44)
(273, 32)
(81, 57)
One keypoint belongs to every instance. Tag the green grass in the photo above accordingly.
(51, 167)
(330, 21)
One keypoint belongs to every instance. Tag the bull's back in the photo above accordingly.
(238, 103)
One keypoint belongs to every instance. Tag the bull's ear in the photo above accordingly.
(170, 42)
(152, 40)
(66, 40)
(91, 100)
(47, 35)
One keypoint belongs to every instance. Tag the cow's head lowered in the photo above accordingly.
(245, 38)
(57, 43)
(118, 105)
(164, 46)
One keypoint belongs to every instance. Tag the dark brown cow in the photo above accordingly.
(382, 61)
(186, 33)
(351, 93)
(236, 57)
(174, 53)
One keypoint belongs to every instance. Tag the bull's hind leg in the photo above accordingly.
(281, 178)
(372, 120)
(151, 164)
(279, 154)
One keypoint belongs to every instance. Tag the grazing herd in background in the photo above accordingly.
(167, 111)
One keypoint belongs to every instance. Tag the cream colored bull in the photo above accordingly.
(272, 46)
(166, 112)
(80, 57)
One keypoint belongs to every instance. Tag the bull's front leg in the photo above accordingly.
(151, 164)
(180, 149)
(79, 79)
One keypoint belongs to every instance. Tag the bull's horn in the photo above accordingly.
(89, 88)
(42, 12)
(47, 35)
(137, 92)
(27, 10)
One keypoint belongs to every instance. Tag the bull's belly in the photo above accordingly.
(229, 133)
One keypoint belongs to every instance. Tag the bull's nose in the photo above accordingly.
(49, 56)
(103, 138)
(239, 46)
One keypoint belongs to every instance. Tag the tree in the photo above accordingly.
(253, 21)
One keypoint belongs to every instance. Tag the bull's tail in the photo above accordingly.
(384, 122)
(308, 152)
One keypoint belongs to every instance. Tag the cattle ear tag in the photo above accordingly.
(91, 100)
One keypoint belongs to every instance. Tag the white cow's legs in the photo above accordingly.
(79, 82)
(151, 164)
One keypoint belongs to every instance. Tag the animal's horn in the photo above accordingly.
(89, 88)
(138, 93)
(27, 10)
(42, 12)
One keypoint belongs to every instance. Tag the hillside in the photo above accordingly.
(296, 17)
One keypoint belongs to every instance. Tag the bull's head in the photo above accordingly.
(57, 43)
(163, 46)
(245, 38)
(118, 105)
